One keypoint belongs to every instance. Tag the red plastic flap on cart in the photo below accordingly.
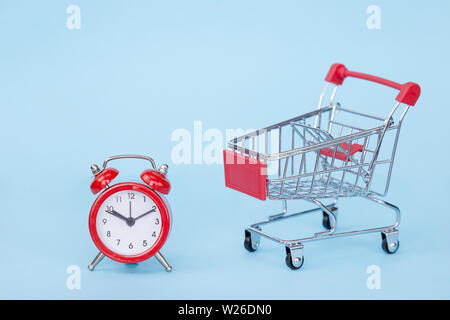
(339, 154)
(245, 174)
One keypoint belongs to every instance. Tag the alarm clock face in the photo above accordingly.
(129, 222)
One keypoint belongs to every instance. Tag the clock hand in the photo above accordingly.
(130, 209)
(144, 214)
(116, 214)
(129, 221)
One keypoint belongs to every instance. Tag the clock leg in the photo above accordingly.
(96, 261)
(163, 261)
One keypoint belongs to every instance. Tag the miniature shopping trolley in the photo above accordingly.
(329, 153)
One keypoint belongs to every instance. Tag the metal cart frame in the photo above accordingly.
(323, 157)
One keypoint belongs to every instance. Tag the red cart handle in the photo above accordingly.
(409, 92)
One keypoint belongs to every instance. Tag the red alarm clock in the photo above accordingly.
(130, 221)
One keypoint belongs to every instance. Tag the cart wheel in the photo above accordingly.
(326, 218)
(294, 265)
(249, 244)
(389, 248)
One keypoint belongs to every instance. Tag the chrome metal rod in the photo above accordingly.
(390, 206)
(328, 235)
(98, 258)
(163, 261)
(330, 213)
(277, 217)
(129, 156)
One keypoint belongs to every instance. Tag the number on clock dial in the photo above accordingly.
(128, 222)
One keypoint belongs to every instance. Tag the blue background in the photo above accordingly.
(138, 70)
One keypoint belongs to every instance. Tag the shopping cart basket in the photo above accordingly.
(325, 154)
